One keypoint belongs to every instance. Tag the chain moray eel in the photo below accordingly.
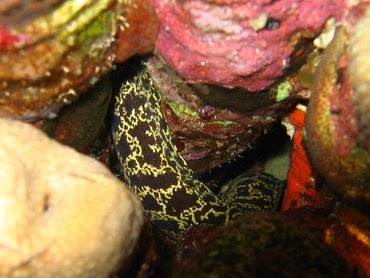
(172, 197)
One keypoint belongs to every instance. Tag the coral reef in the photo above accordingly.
(224, 85)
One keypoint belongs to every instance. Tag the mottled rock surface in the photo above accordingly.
(52, 51)
(337, 121)
(229, 43)
(264, 245)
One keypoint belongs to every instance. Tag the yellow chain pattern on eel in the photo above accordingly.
(172, 197)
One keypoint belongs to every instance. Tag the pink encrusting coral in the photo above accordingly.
(241, 43)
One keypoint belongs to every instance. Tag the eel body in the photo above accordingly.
(172, 197)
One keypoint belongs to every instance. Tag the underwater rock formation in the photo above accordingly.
(62, 214)
(337, 116)
(247, 44)
(59, 49)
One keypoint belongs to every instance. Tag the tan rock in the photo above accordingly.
(62, 214)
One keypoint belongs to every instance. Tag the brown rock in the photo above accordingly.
(140, 33)
(61, 214)
(52, 51)
(262, 244)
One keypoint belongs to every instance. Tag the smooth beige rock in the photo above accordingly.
(62, 214)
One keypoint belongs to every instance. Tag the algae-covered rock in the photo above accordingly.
(262, 245)
(337, 122)
(58, 49)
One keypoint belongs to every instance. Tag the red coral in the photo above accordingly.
(7, 40)
(301, 190)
